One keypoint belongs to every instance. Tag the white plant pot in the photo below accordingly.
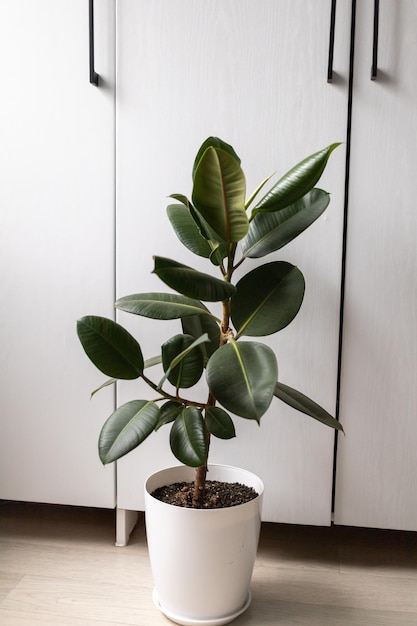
(202, 560)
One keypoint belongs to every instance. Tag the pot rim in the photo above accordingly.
(259, 486)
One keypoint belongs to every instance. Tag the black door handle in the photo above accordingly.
(331, 42)
(374, 69)
(94, 77)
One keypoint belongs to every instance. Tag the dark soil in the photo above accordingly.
(218, 495)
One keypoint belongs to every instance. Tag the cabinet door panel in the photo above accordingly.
(57, 247)
(377, 460)
(253, 74)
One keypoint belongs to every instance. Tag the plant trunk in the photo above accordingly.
(201, 472)
(199, 486)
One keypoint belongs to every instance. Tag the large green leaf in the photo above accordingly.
(169, 411)
(302, 403)
(219, 194)
(198, 325)
(267, 299)
(129, 425)
(190, 282)
(110, 347)
(219, 423)
(187, 230)
(161, 306)
(214, 142)
(182, 362)
(269, 232)
(188, 438)
(297, 182)
(242, 377)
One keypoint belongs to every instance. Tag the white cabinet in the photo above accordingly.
(57, 247)
(254, 74)
(376, 482)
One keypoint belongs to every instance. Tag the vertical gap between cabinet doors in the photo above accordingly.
(115, 197)
(344, 235)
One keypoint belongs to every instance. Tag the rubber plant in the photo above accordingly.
(224, 227)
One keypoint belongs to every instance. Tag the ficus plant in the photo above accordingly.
(222, 226)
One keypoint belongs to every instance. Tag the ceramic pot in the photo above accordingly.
(202, 560)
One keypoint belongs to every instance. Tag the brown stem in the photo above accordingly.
(199, 486)
(201, 472)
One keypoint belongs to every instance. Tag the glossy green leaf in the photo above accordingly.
(161, 306)
(219, 423)
(217, 244)
(219, 194)
(183, 364)
(128, 427)
(297, 182)
(110, 347)
(267, 299)
(242, 377)
(269, 232)
(189, 282)
(187, 230)
(214, 142)
(188, 438)
(198, 325)
(181, 198)
(302, 403)
(169, 411)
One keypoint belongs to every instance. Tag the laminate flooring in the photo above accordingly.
(59, 566)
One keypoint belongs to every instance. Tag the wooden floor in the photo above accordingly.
(58, 566)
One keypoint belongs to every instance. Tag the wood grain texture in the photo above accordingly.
(253, 73)
(376, 480)
(308, 576)
(57, 243)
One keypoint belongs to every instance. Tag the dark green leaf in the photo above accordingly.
(218, 246)
(168, 413)
(181, 198)
(267, 299)
(219, 194)
(110, 347)
(269, 232)
(219, 423)
(188, 438)
(161, 306)
(196, 326)
(187, 230)
(192, 283)
(129, 425)
(302, 403)
(296, 183)
(242, 376)
(214, 142)
(182, 362)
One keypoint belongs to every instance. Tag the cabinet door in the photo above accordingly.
(57, 247)
(376, 481)
(254, 74)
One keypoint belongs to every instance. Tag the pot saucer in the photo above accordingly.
(184, 621)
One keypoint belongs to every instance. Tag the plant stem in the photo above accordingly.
(199, 486)
(168, 396)
(201, 472)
